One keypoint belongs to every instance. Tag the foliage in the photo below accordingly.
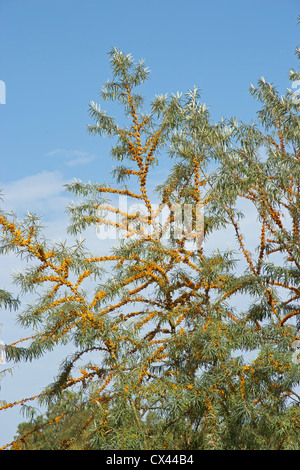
(9, 302)
(178, 365)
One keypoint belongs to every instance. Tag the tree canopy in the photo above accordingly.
(176, 363)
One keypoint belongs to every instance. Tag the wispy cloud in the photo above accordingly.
(72, 157)
(43, 192)
(45, 195)
(33, 187)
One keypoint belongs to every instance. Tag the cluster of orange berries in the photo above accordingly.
(146, 319)
(20, 402)
(281, 136)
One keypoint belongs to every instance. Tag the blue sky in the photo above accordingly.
(54, 61)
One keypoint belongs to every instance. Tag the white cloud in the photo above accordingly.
(73, 157)
(32, 190)
(80, 160)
